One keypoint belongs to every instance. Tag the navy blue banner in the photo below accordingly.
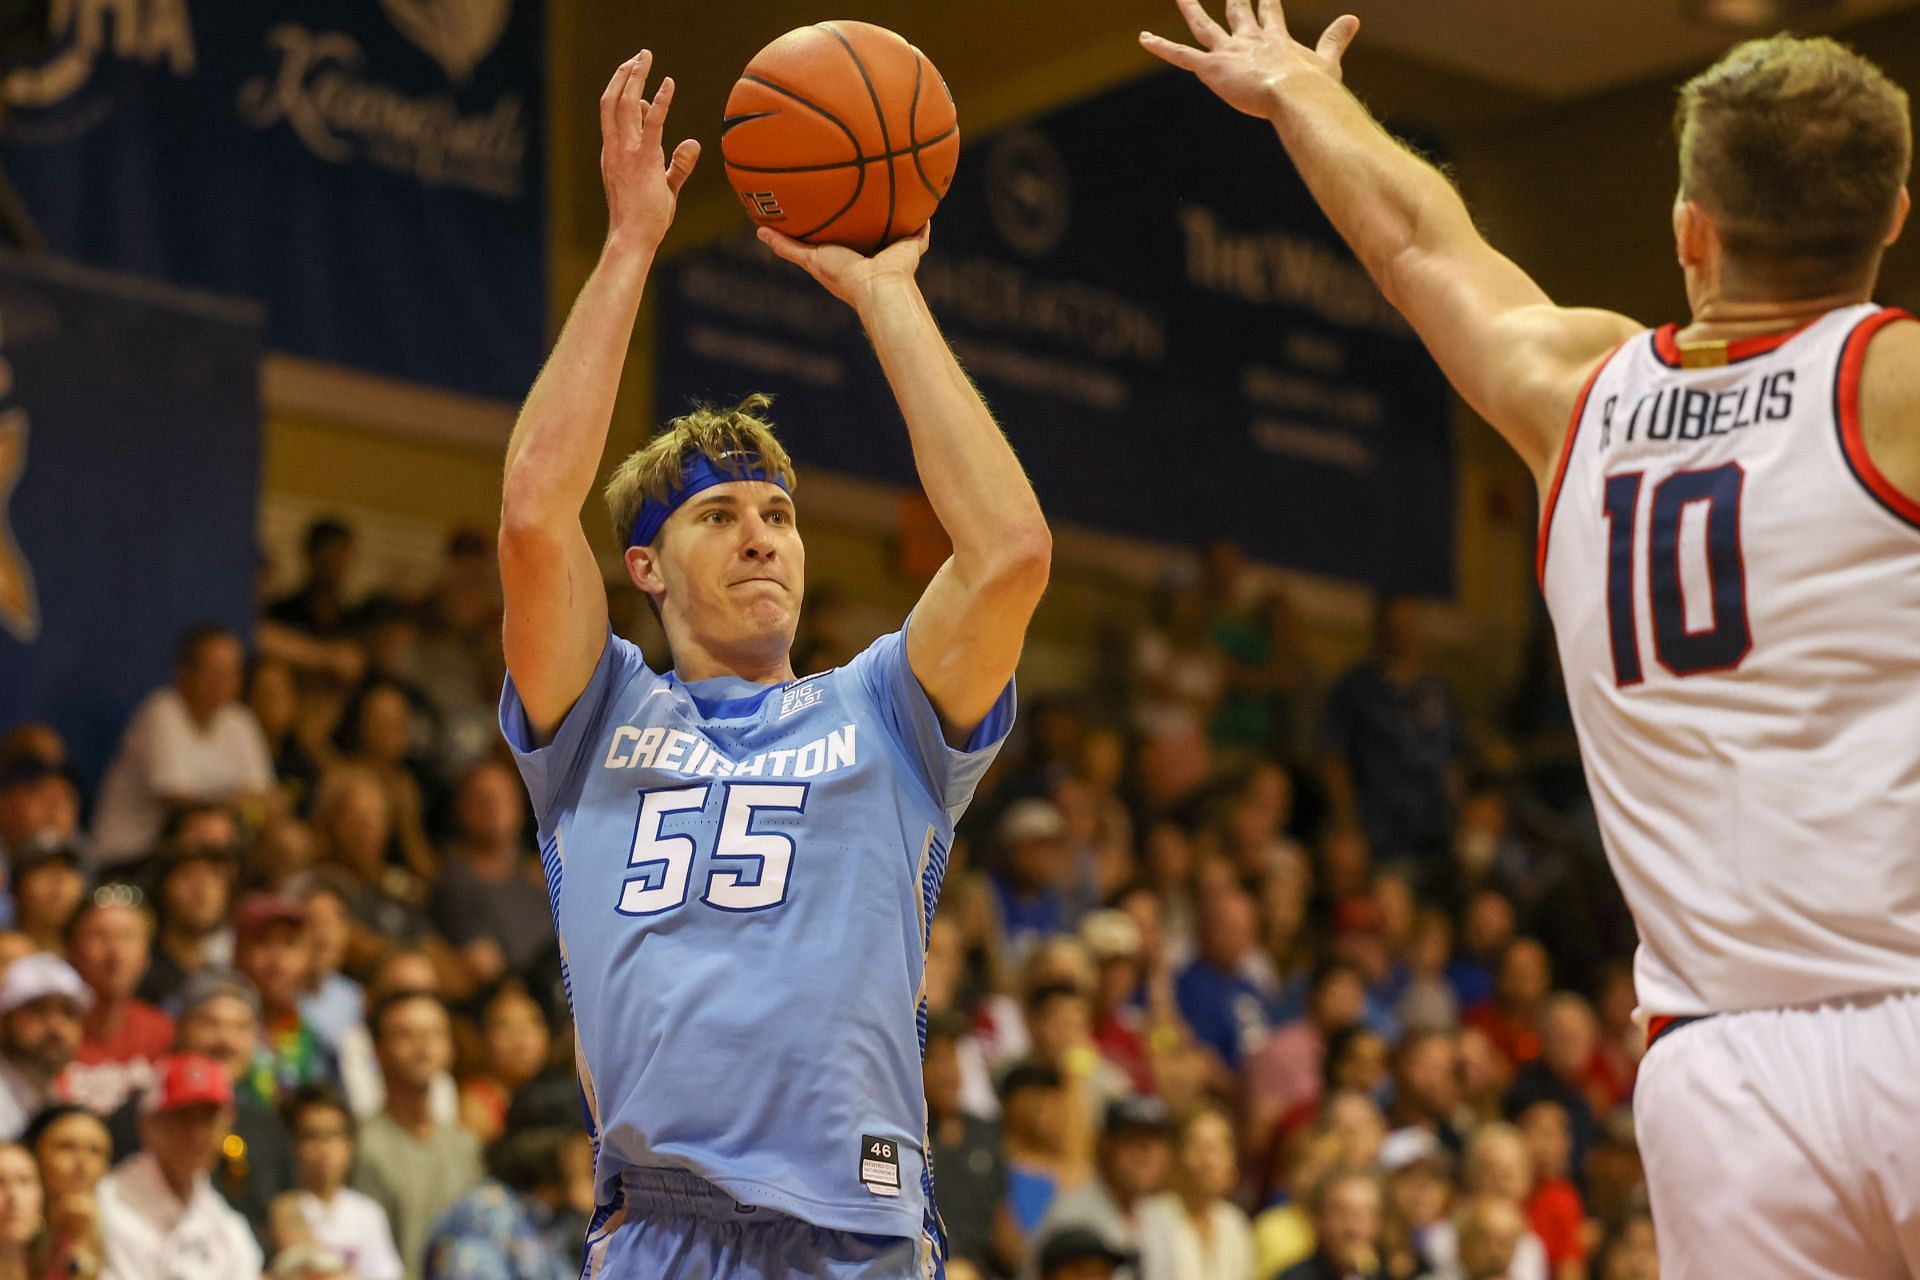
(129, 482)
(1175, 339)
(369, 169)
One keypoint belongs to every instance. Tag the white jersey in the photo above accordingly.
(1736, 591)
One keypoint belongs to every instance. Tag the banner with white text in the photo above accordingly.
(369, 169)
(1174, 338)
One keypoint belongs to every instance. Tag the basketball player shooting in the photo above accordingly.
(743, 864)
(1730, 549)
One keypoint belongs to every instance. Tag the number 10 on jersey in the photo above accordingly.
(664, 863)
(1683, 651)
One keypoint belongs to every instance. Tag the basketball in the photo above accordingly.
(841, 133)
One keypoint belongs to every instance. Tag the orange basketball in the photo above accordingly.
(841, 133)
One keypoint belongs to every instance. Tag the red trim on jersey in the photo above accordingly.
(1846, 397)
(1552, 501)
(1666, 345)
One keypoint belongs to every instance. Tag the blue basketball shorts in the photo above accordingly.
(668, 1224)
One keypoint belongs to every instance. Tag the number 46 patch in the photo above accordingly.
(880, 1165)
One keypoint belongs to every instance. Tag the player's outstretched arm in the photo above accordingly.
(556, 602)
(1511, 353)
(965, 638)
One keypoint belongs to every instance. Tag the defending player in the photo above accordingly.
(742, 864)
(1730, 547)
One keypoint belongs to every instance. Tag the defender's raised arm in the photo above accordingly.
(1518, 359)
(556, 602)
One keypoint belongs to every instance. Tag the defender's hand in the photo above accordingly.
(849, 276)
(643, 187)
(1246, 62)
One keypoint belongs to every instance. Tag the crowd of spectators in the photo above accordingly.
(1264, 973)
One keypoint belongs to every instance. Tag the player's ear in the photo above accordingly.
(1693, 232)
(643, 569)
(1901, 207)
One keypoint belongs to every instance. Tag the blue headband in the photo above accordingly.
(697, 473)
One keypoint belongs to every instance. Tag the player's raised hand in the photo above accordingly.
(1248, 61)
(643, 186)
(849, 276)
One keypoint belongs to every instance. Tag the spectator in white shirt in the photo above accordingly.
(1194, 1232)
(160, 1218)
(191, 740)
(330, 1213)
(41, 1001)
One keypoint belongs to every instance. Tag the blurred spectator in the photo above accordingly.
(38, 802)
(21, 1217)
(273, 695)
(1511, 1020)
(361, 1075)
(1030, 878)
(944, 972)
(1179, 677)
(1393, 738)
(377, 732)
(1628, 1253)
(1078, 1254)
(459, 647)
(520, 1223)
(271, 950)
(160, 1218)
(1419, 1196)
(331, 1213)
(283, 849)
(1486, 930)
(353, 821)
(1134, 1160)
(1426, 1088)
(1120, 1030)
(1428, 1002)
(1484, 1077)
(1286, 1074)
(1228, 1011)
(491, 902)
(191, 740)
(1563, 1072)
(332, 1003)
(122, 1037)
(1060, 1023)
(41, 1003)
(318, 606)
(1046, 1135)
(201, 824)
(73, 1150)
(1616, 1057)
(1357, 1063)
(1492, 1237)
(48, 886)
(1499, 1165)
(970, 1171)
(220, 1019)
(194, 892)
(310, 1262)
(1194, 1232)
(1169, 869)
(1554, 1208)
(413, 1165)
(514, 1041)
(1347, 1225)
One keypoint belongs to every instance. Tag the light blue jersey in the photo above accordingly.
(742, 876)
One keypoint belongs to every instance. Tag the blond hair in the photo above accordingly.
(734, 440)
(1799, 149)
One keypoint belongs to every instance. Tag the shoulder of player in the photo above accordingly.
(1553, 355)
(1889, 403)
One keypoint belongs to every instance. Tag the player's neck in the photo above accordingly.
(694, 661)
(1722, 319)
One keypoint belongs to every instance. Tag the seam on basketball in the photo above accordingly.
(886, 141)
(859, 161)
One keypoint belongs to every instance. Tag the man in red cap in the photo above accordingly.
(160, 1218)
